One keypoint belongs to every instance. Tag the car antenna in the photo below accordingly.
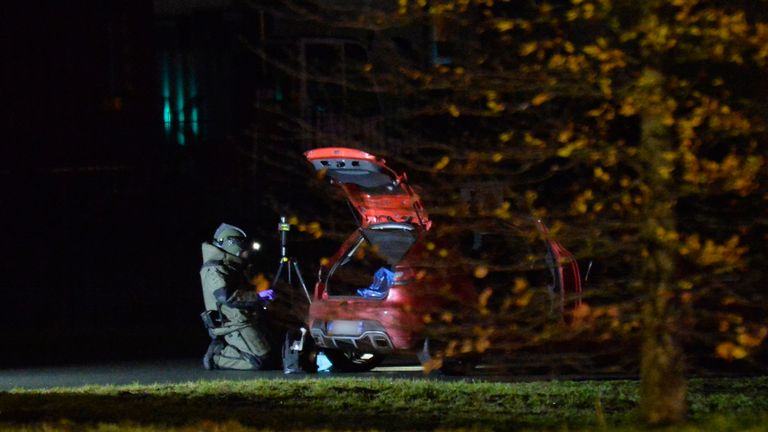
(293, 266)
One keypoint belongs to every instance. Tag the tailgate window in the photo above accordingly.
(391, 241)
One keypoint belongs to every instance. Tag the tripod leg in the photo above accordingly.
(301, 280)
(279, 272)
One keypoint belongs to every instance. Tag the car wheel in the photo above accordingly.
(353, 361)
(459, 365)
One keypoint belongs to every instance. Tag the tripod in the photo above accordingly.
(290, 265)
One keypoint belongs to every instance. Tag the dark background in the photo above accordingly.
(131, 129)
(108, 180)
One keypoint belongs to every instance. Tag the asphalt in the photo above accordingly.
(182, 371)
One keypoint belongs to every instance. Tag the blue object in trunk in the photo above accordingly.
(382, 280)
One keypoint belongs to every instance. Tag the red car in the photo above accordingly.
(370, 300)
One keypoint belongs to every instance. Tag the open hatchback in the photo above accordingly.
(370, 299)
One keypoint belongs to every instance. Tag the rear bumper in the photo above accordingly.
(371, 341)
(383, 327)
(372, 338)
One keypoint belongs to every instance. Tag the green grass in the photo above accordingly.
(373, 404)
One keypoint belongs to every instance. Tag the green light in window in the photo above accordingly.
(166, 88)
(180, 101)
(167, 114)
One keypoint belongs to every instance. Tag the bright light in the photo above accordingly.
(256, 246)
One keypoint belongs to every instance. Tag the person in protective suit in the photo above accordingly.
(233, 307)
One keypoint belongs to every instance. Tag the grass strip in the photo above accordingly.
(373, 404)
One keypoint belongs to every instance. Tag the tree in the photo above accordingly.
(636, 129)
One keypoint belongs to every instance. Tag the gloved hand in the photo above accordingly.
(267, 295)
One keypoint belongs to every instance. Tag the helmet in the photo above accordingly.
(229, 238)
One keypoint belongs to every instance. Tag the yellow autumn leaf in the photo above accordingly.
(627, 108)
(625, 182)
(432, 364)
(402, 7)
(505, 25)
(600, 174)
(605, 86)
(541, 98)
(596, 112)
(524, 299)
(466, 346)
(481, 271)
(748, 340)
(566, 151)
(315, 229)
(581, 311)
(739, 352)
(497, 157)
(442, 163)
(724, 326)
(450, 350)
(556, 61)
(453, 110)
(527, 48)
(482, 344)
(521, 284)
(592, 50)
(482, 300)
(730, 351)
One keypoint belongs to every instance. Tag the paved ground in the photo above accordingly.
(180, 371)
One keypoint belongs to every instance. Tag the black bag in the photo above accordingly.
(299, 354)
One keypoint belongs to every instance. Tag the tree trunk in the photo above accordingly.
(663, 386)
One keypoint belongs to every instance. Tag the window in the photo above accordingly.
(181, 110)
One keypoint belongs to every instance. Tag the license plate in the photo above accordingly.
(343, 327)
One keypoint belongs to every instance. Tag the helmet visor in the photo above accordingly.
(234, 245)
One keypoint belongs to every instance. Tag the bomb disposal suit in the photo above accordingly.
(233, 307)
